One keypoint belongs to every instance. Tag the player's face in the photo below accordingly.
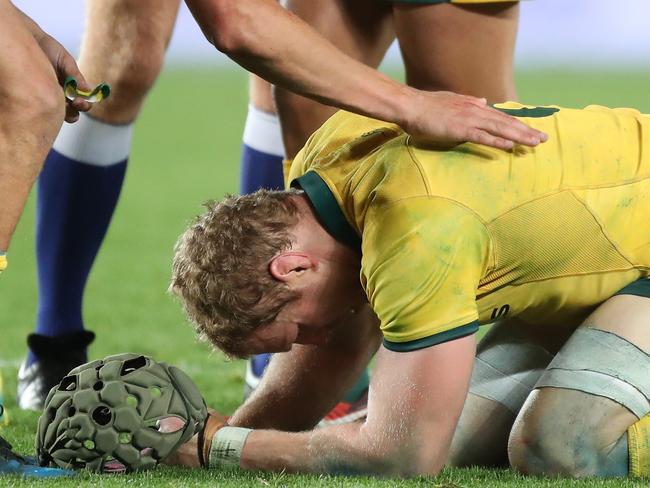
(298, 323)
(326, 297)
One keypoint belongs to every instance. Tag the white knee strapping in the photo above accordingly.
(603, 364)
(506, 372)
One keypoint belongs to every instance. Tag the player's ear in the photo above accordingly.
(288, 265)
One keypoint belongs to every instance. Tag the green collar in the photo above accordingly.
(328, 210)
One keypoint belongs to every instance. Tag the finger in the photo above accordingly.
(69, 68)
(81, 105)
(479, 136)
(517, 130)
(71, 114)
(512, 129)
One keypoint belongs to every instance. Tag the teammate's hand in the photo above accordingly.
(447, 117)
(65, 66)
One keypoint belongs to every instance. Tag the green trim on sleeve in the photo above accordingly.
(639, 288)
(446, 336)
(327, 209)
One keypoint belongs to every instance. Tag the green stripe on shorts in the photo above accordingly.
(639, 288)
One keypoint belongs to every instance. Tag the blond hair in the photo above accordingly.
(221, 266)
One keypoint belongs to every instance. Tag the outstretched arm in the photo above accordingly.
(269, 41)
(414, 405)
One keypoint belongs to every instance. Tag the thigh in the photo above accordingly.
(463, 48)
(575, 422)
(508, 363)
(360, 28)
(124, 45)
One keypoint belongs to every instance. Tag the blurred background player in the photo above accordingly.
(80, 185)
(81, 182)
(467, 47)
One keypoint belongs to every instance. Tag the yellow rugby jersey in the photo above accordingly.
(453, 238)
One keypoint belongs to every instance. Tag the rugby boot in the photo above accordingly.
(255, 368)
(351, 409)
(345, 412)
(12, 463)
(55, 357)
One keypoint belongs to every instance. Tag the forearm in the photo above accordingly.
(290, 53)
(334, 450)
(301, 386)
(31, 26)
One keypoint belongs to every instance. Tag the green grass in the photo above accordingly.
(186, 151)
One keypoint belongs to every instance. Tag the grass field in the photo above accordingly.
(186, 151)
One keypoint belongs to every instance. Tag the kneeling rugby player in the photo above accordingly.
(391, 246)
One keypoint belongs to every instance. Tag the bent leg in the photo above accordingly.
(32, 107)
(124, 45)
(360, 28)
(575, 423)
(508, 364)
(467, 49)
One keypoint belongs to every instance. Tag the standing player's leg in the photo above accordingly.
(32, 110)
(261, 167)
(590, 412)
(262, 147)
(124, 44)
(32, 107)
(467, 49)
(361, 29)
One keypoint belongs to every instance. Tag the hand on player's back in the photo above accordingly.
(447, 117)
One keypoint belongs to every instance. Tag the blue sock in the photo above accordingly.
(262, 153)
(77, 193)
(259, 170)
(261, 167)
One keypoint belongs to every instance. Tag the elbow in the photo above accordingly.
(227, 27)
(405, 462)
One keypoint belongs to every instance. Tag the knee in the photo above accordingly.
(135, 77)
(131, 75)
(555, 445)
(38, 105)
(529, 449)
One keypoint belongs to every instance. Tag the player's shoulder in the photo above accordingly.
(343, 138)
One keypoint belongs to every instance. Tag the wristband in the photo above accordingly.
(3, 261)
(226, 447)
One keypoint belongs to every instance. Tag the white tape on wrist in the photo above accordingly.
(227, 445)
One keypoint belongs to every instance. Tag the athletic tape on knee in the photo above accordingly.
(507, 372)
(638, 445)
(603, 364)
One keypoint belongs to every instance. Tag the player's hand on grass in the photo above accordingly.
(446, 117)
(65, 66)
(188, 453)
